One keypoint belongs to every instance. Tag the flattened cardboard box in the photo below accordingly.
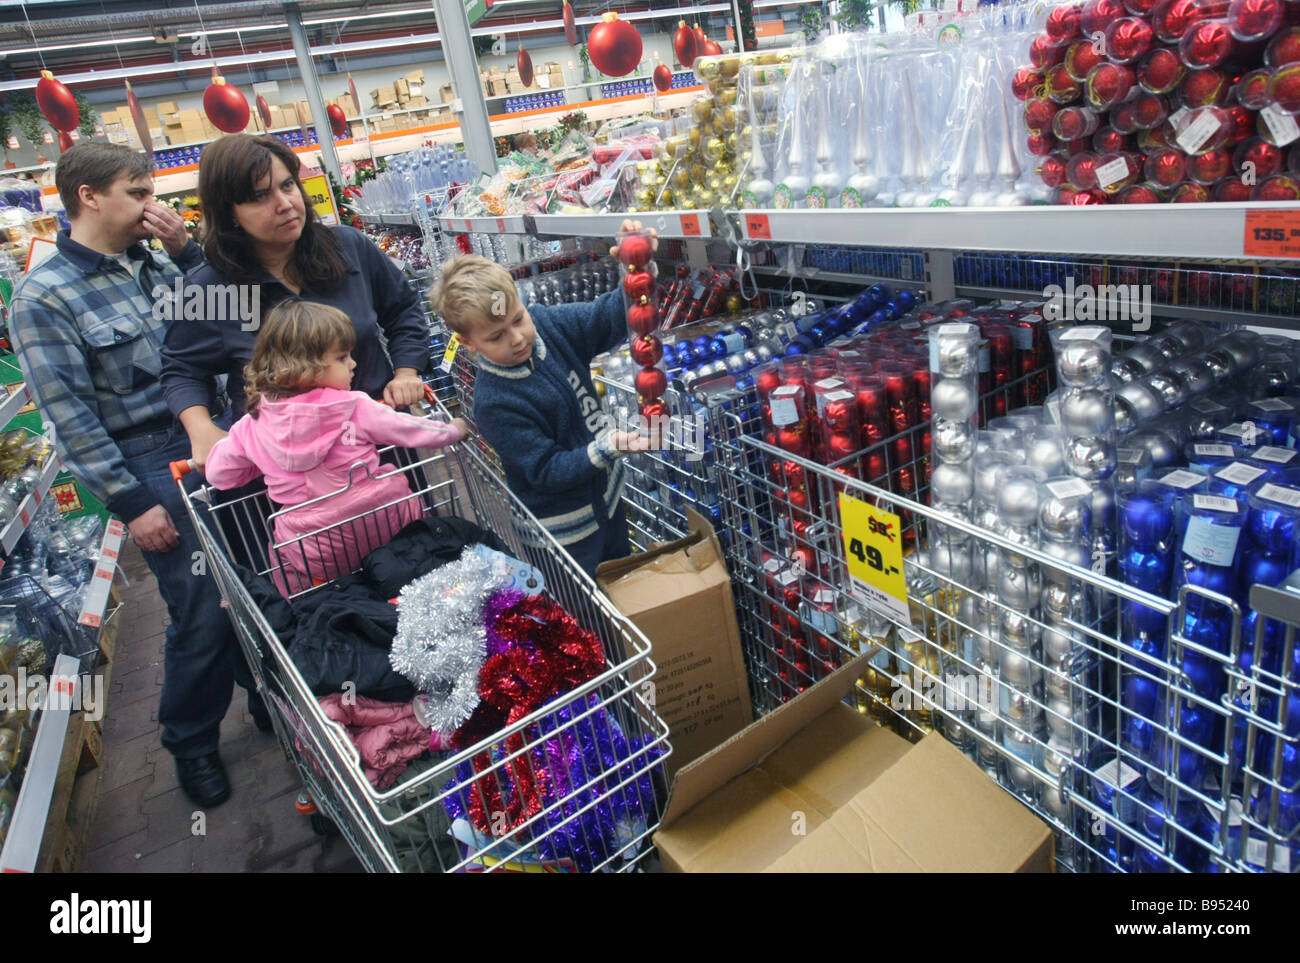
(679, 595)
(816, 787)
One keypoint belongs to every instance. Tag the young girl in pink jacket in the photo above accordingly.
(315, 441)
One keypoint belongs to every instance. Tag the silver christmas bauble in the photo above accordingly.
(986, 562)
(952, 441)
(1060, 718)
(1019, 707)
(951, 399)
(957, 353)
(1091, 457)
(1017, 585)
(1059, 642)
(1125, 418)
(1015, 670)
(1060, 603)
(1191, 334)
(1018, 496)
(1125, 369)
(1082, 364)
(1196, 373)
(1087, 411)
(1168, 348)
(1063, 518)
(737, 364)
(989, 467)
(1043, 449)
(1172, 389)
(952, 484)
(1073, 552)
(1164, 451)
(1221, 363)
(953, 562)
(1103, 512)
(1145, 402)
(1018, 631)
(764, 353)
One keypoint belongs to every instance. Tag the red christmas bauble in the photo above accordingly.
(1139, 194)
(663, 79)
(1252, 20)
(1161, 71)
(1201, 88)
(225, 106)
(643, 319)
(1061, 87)
(1062, 23)
(570, 25)
(635, 250)
(137, 116)
(1153, 140)
(1039, 114)
(841, 444)
(1190, 194)
(1109, 141)
(1171, 19)
(614, 46)
(700, 40)
(1089, 198)
(1025, 81)
(1098, 15)
(1108, 84)
(651, 383)
(1043, 53)
(65, 141)
(1081, 171)
(1052, 171)
(711, 49)
(1166, 167)
(524, 64)
(798, 497)
(1283, 48)
(793, 474)
(1150, 110)
(684, 44)
(1124, 119)
(841, 415)
(1211, 166)
(1266, 160)
(873, 467)
(57, 104)
(264, 111)
(1207, 44)
(1073, 122)
(639, 284)
(1282, 187)
(1231, 191)
(1252, 89)
(1080, 58)
(1242, 123)
(647, 350)
(658, 408)
(1128, 39)
(1284, 88)
(338, 120)
(768, 381)
(793, 438)
(1140, 8)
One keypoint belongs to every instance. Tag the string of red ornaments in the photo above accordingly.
(635, 252)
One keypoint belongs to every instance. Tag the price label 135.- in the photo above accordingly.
(873, 548)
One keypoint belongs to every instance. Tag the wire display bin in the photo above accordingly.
(550, 808)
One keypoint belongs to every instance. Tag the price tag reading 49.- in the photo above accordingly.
(873, 547)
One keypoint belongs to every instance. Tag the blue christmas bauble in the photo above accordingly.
(1146, 570)
(879, 292)
(1204, 674)
(1215, 578)
(1272, 527)
(1139, 618)
(907, 299)
(1147, 518)
(1259, 569)
(1141, 695)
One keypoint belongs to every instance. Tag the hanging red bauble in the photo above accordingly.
(684, 45)
(352, 89)
(1081, 58)
(524, 63)
(635, 251)
(614, 46)
(651, 383)
(137, 117)
(1052, 171)
(638, 285)
(57, 103)
(650, 410)
(1063, 23)
(711, 49)
(643, 319)
(338, 120)
(65, 141)
(700, 40)
(647, 350)
(1139, 194)
(264, 112)
(570, 26)
(663, 78)
(225, 105)
(1025, 80)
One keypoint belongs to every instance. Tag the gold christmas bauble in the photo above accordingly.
(706, 199)
(666, 199)
(708, 68)
(728, 183)
(732, 142)
(734, 304)
(698, 173)
(681, 178)
(728, 97)
(694, 137)
(645, 197)
(731, 66)
(701, 110)
(714, 148)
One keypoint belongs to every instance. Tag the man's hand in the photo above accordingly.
(201, 442)
(630, 225)
(405, 389)
(166, 225)
(153, 531)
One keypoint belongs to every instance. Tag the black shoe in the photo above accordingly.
(204, 780)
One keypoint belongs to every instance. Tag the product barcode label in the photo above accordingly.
(1070, 488)
(1257, 855)
(1210, 543)
(772, 566)
(784, 411)
(1215, 503)
(1088, 332)
(1178, 478)
(1193, 137)
(1271, 404)
(828, 384)
(1224, 451)
(840, 396)
(1112, 172)
(787, 577)
(1280, 124)
(951, 329)
(1024, 339)
(984, 359)
(1238, 474)
(734, 342)
(790, 331)
(1118, 773)
(1281, 456)
(1276, 493)
(1176, 118)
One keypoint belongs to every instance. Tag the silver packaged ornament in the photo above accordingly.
(1145, 402)
(1082, 364)
(952, 484)
(952, 441)
(1018, 495)
(1044, 450)
(1087, 411)
(954, 400)
(1091, 457)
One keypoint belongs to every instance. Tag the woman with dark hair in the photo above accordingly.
(263, 242)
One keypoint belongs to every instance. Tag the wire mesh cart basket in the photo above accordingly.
(545, 806)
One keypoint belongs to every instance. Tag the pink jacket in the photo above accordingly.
(304, 446)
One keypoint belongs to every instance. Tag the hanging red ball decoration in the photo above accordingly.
(656, 409)
(700, 40)
(711, 49)
(57, 103)
(643, 319)
(570, 25)
(638, 285)
(663, 78)
(685, 45)
(264, 111)
(225, 105)
(137, 117)
(614, 46)
(338, 120)
(65, 141)
(635, 251)
(524, 63)
(647, 351)
(651, 383)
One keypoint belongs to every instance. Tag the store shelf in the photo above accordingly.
(15, 403)
(10, 534)
(516, 224)
(1174, 231)
(669, 224)
(389, 220)
(101, 582)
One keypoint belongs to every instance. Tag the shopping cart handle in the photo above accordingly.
(428, 396)
(182, 468)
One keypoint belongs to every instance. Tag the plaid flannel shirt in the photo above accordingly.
(90, 347)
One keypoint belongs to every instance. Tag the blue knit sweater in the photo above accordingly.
(548, 425)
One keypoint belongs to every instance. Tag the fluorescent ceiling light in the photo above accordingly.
(72, 46)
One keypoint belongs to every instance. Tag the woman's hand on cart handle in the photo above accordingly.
(182, 468)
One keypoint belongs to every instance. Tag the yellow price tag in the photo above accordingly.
(873, 548)
(449, 356)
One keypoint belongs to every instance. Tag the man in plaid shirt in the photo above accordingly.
(87, 328)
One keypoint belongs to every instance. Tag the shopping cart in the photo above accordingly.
(600, 817)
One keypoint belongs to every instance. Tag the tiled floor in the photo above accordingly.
(143, 822)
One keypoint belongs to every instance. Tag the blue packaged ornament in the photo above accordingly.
(906, 299)
(1207, 456)
(1277, 461)
(879, 293)
(1147, 515)
(1146, 569)
(1211, 543)
(1237, 479)
(1272, 416)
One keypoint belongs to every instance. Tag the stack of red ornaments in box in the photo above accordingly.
(862, 407)
(1140, 102)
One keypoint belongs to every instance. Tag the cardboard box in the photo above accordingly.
(167, 107)
(870, 800)
(497, 87)
(679, 595)
(402, 87)
(556, 75)
(358, 130)
(289, 114)
(446, 94)
(416, 102)
(384, 95)
(277, 117)
(349, 108)
(304, 112)
(415, 76)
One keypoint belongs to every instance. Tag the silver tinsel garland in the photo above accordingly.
(440, 641)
